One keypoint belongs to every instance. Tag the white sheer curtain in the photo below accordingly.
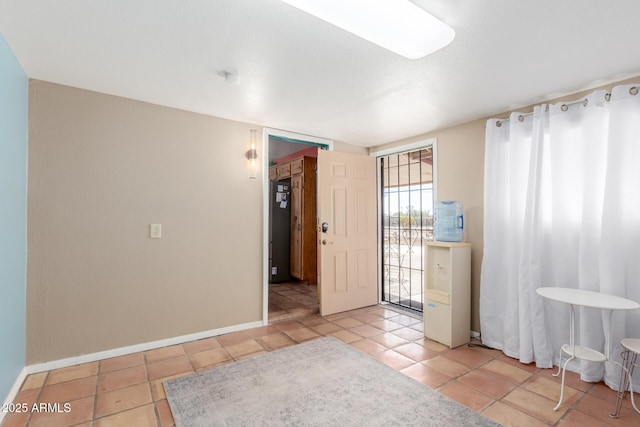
(562, 208)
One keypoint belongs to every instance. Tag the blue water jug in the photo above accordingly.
(448, 221)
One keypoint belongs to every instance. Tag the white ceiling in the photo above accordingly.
(301, 74)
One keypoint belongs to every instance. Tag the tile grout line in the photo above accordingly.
(312, 322)
(156, 411)
(95, 395)
(38, 397)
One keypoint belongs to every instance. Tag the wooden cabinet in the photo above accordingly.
(296, 226)
(303, 263)
(283, 171)
(447, 293)
(297, 166)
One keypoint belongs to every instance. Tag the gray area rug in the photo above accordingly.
(318, 383)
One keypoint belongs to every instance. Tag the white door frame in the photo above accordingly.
(431, 142)
(266, 133)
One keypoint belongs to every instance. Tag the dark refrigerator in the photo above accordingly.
(279, 230)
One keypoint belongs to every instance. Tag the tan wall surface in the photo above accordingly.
(460, 164)
(349, 148)
(101, 169)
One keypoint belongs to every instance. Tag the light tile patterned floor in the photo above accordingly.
(127, 390)
(289, 300)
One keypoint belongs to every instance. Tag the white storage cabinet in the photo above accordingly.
(447, 293)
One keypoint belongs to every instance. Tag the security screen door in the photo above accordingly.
(407, 223)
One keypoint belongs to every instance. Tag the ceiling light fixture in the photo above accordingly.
(397, 25)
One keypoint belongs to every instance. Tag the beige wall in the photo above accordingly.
(460, 164)
(101, 169)
(460, 160)
(349, 148)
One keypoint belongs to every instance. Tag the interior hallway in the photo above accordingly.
(289, 300)
(127, 390)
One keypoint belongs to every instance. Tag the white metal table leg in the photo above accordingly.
(624, 383)
(632, 365)
(564, 366)
(629, 362)
(564, 371)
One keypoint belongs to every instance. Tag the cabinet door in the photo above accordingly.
(283, 171)
(296, 166)
(296, 226)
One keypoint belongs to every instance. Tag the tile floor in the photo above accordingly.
(127, 390)
(289, 300)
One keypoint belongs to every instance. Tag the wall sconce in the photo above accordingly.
(252, 156)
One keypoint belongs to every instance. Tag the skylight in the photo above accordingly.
(397, 25)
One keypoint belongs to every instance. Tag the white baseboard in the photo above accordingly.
(86, 358)
(475, 334)
(15, 389)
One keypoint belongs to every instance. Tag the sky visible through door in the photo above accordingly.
(407, 222)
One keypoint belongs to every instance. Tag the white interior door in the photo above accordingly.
(347, 249)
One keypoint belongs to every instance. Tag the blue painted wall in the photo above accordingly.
(13, 217)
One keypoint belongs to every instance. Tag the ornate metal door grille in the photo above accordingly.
(407, 222)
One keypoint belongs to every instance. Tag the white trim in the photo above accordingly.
(404, 148)
(379, 213)
(299, 136)
(475, 334)
(265, 225)
(434, 170)
(13, 392)
(85, 358)
(433, 142)
(266, 133)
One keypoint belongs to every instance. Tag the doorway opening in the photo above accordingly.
(290, 195)
(407, 194)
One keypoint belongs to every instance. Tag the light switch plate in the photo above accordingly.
(155, 231)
